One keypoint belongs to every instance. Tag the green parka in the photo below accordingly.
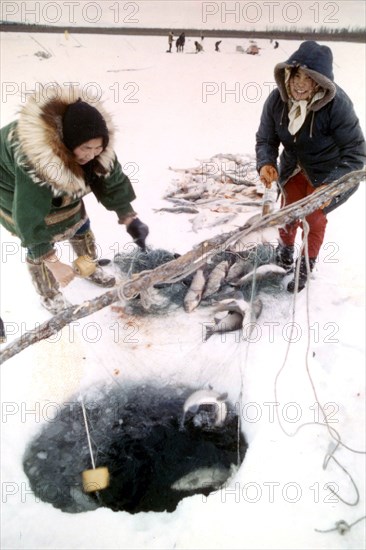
(42, 185)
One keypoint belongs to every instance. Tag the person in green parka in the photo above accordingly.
(58, 150)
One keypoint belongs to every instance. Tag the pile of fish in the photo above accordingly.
(216, 190)
(232, 286)
(223, 187)
(230, 281)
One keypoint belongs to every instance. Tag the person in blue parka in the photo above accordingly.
(315, 122)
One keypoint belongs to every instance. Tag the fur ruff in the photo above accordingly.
(40, 149)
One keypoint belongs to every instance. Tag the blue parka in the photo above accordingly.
(330, 142)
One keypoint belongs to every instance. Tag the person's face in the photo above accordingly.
(85, 152)
(301, 85)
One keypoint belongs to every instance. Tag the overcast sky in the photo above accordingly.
(189, 13)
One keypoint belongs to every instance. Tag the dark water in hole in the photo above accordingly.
(137, 433)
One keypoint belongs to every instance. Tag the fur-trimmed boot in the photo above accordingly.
(303, 275)
(47, 287)
(85, 245)
(285, 257)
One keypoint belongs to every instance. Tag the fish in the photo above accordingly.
(202, 478)
(237, 180)
(221, 220)
(194, 293)
(201, 221)
(178, 210)
(193, 170)
(260, 273)
(236, 304)
(266, 235)
(238, 269)
(181, 202)
(228, 157)
(248, 203)
(215, 279)
(190, 196)
(215, 200)
(230, 322)
(198, 222)
(250, 311)
(205, 398)
(252, 314)
(239, 313)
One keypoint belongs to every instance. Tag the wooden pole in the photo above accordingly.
(186, 264)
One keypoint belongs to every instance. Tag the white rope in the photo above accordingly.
(333, 433)
(341, 526)
(243, 361)
(87, 432)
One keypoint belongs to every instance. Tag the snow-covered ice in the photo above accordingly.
(171, 110)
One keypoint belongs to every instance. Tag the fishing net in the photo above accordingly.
(137, 433)
(170, 296)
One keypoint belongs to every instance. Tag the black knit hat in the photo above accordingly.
(82, 122)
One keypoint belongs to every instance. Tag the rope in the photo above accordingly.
(341, 526)
(46, 275)
(331, 430)
(243, 364)
(325, 464)
(97, 493)
(87, 432)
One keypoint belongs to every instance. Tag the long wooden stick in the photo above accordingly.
(186, 264)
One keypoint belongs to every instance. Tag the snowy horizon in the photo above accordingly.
(213, 15)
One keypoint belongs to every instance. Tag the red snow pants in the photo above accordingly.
(298, 187)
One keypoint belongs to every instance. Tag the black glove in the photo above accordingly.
(138, 231)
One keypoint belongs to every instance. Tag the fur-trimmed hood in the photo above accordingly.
(39, 148)
(317, 62)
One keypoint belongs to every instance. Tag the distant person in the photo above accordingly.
(170, 41)
(43, 206)
(217, 45)
(314, 121)
(180, 42)
(2, 332)
(199, 47)
(252, 49)
(276, 44)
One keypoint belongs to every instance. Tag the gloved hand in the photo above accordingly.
(63, 273)
(138, 231)
(267, 174)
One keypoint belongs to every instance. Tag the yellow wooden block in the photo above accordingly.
(84, 266)
(96, 479)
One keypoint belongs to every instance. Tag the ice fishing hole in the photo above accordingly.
(158, 447)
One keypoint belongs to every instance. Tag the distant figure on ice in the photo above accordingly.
(252, 49)
(2, 332)
(217, 44)
(42, 205)
(170, 41)
(314, 120)
(276, 44)
(199, 47)
(180, 42)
